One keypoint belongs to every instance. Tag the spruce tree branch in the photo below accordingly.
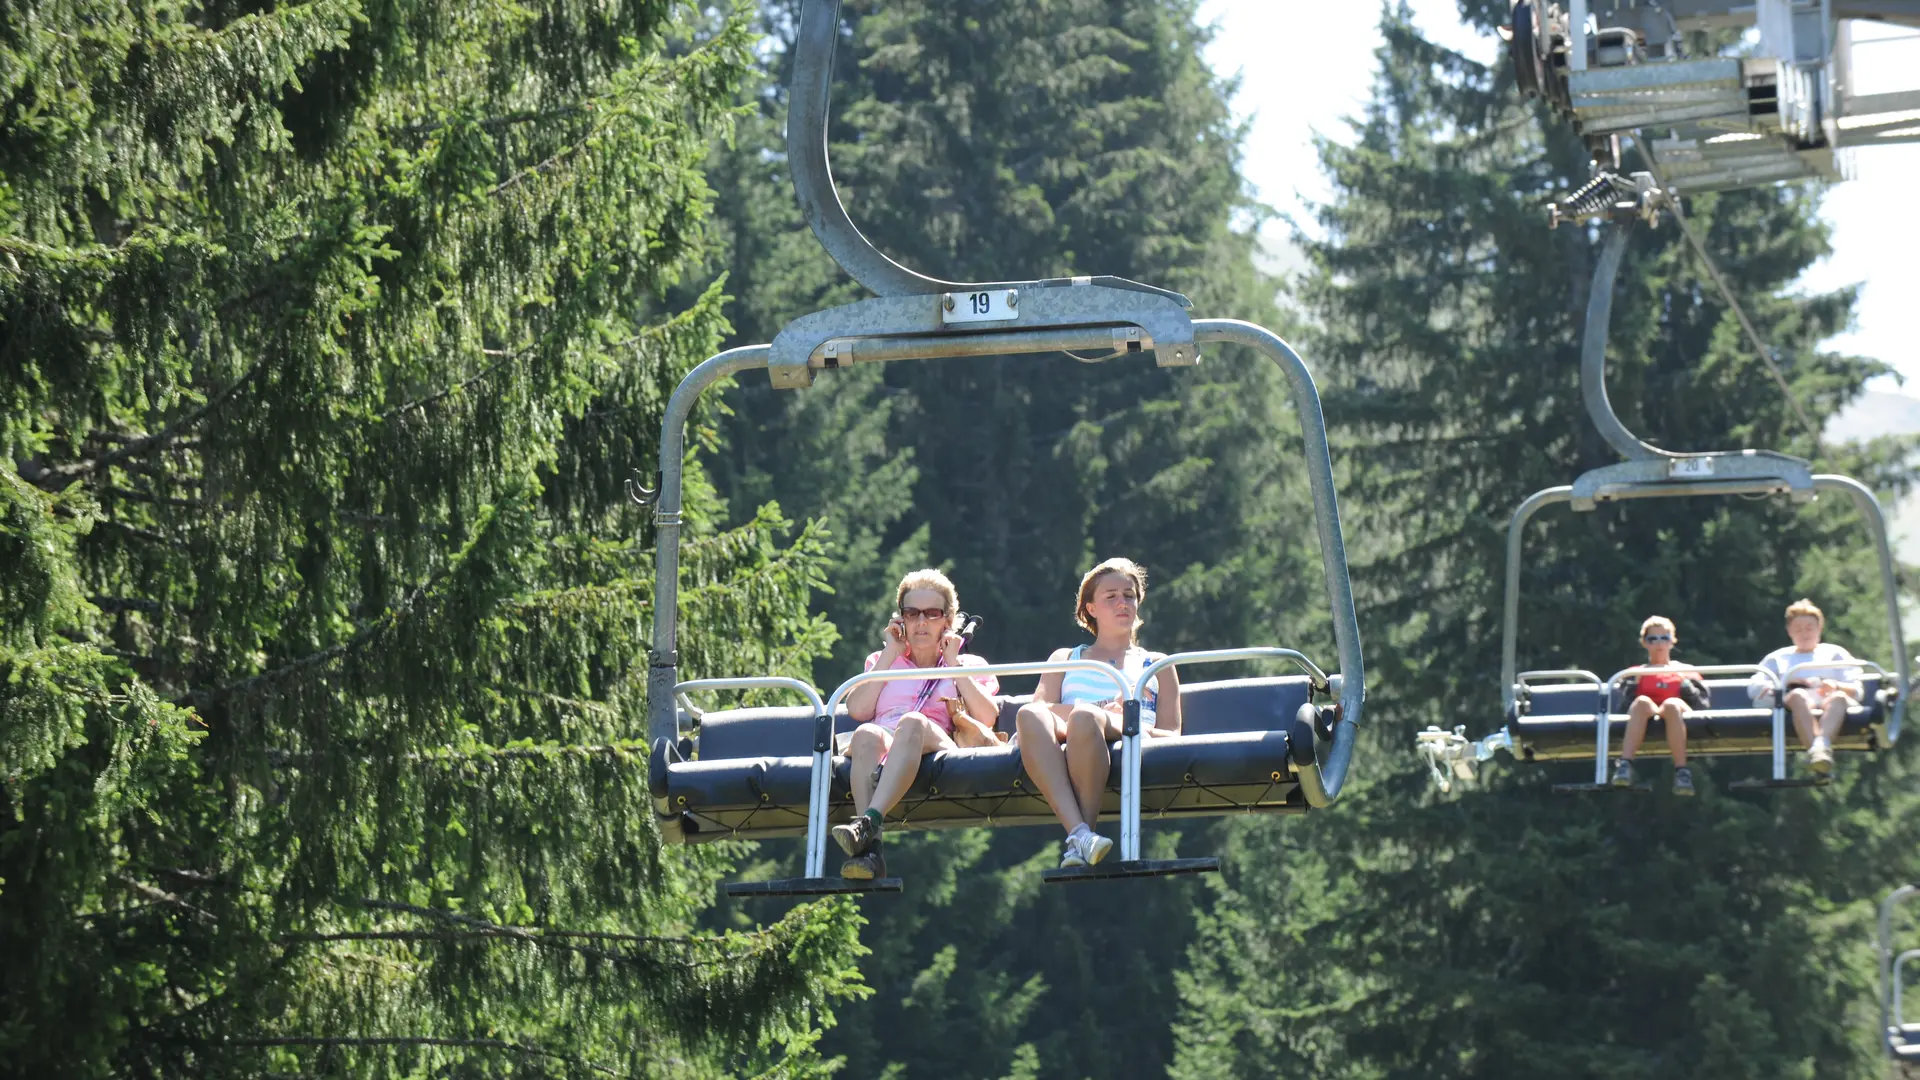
(546, 939)
(159, 895)
(446, 392)
(60, 475)
(422, 1040)
(506, 356)
(360, 638)
(530, 931)
(496, 123)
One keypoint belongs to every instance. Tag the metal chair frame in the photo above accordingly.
(915, 317)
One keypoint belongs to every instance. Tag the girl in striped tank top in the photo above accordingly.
(1066, 729)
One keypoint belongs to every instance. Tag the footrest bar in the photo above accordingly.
(1120, 868)
(1598, 789)
(1764, 783)
(817, 886)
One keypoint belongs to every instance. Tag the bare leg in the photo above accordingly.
(1800, 707)
(869, 742)
(916, 735)
(1834, 715)
(1046, 763)
(1673, 715)
(1638, 714)
(1088, 759)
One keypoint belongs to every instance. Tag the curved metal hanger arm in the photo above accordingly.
(807, 100)
(808, 97)
(1593, 353)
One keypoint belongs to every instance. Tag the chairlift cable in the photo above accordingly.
(1739, 312)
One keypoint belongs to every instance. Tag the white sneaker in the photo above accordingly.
(1095, 847)
(1820, 757)
(1072, 857)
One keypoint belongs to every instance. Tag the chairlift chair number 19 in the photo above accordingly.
(748, 772)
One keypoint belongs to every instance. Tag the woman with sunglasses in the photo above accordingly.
(1065, 731)
(905, 718)
(1659, 693)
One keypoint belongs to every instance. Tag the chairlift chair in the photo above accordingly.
(1898, 971)
(1573, 714)
(1249, 745)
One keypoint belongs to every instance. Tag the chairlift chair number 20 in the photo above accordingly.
(1611, 82)
(1249, 745)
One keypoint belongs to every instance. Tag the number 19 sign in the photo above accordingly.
(988, 305)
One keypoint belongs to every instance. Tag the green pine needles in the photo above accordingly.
(329, 335)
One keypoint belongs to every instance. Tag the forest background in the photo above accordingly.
(332, 329)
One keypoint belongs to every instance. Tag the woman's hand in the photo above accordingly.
(893, 639)
(950, 646)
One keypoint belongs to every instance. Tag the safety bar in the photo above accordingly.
(1810, 665)
(1899, 984)
(1310, 785)
(820, 792)
(1528, 678)
(751, 682)
(1894, 899)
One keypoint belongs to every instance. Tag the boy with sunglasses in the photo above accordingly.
(1661, 693)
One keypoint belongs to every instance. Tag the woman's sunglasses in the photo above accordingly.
(911, 614)
(1657, 639)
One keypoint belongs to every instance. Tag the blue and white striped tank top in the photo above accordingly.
(1077, 687)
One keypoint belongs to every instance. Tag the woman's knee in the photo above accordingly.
(1800, 695)
(1086, 723)
(869, 739)
(1673, 710)
(1643, 705)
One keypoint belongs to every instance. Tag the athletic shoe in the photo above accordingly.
(867, 865)
(1623, 773)
(1820, 757)
(1073, 856)
(1683, 781)
(1095, 847)
(856, 836)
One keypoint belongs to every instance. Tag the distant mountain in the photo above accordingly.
(1873, 414)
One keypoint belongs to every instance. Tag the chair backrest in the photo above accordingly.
(782, 731)
(1564, 699)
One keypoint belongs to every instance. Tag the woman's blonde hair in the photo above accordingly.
(1804, 606)
(1660, 620)
(928, 579)
(1127, 568)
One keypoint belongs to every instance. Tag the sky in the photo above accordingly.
(1307, 65)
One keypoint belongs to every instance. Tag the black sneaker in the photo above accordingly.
(1683, 781)
(856, 836)
(867, 865)
(1623, 773)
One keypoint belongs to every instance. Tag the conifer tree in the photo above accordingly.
(1510, 931)
(329, 333)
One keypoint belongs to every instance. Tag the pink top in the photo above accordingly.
(900, 697)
